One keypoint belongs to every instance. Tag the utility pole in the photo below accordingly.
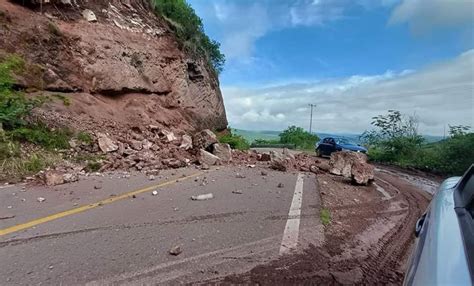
(311, 117)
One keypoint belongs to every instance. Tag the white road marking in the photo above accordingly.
(292, 228)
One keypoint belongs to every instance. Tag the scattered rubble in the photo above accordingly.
(169, 136)
(186, 142)
(89, 16)
(106, 144)
(202, 197)
(176, 250)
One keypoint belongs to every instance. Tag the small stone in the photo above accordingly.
(9, 207)
(238, 192)
(204, 166)
(202, 197)
(251, 166)
(154, 193)
(41, 199)
(240, 176)
(176, 250)
(97, 187)
(134, 196)
(281, 185)
(151, 177)
(264, 173)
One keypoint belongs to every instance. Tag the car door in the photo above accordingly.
(331, 145)
(444, 249)
(324, 147)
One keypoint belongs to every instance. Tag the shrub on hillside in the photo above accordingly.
(299, 137)
(190, 31)
(395, 140)
(235, 141)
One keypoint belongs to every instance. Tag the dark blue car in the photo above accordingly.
(333, 144)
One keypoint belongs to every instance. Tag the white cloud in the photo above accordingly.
(315, 12)
(439, 94)
(241, 26)
(425, 15)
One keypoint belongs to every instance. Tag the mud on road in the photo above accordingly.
(368, 241)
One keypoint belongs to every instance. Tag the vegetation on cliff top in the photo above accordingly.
(190, 31)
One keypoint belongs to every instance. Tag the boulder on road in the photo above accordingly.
(53, 178)
(362, 173)
(351, 165)
(204, 139)
(223, 151)
(106, 144)
(206, 158)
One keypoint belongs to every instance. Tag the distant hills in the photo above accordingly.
(251, 135)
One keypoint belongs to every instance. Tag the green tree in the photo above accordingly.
(458, 130)
(298, 136)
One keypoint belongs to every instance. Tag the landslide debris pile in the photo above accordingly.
(104, 72)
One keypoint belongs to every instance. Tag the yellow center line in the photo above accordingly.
(84, 208)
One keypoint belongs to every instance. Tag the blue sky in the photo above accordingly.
(355, 59)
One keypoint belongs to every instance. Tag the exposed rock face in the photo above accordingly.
(204, 139)
(351, 165)
(223, 151)
(122, 69)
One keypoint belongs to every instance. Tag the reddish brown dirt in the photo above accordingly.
(367, 242)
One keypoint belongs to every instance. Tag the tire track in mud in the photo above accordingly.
(388, 255)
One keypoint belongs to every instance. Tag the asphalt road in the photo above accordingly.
(112, 230)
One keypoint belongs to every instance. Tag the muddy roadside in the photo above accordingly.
(367, 241)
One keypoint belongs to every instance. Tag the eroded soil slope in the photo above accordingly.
(124, 70)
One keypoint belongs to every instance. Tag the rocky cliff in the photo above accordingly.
(119, 65)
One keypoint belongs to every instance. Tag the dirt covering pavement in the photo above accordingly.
(367, 242)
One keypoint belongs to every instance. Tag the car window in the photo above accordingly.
(468, 191)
